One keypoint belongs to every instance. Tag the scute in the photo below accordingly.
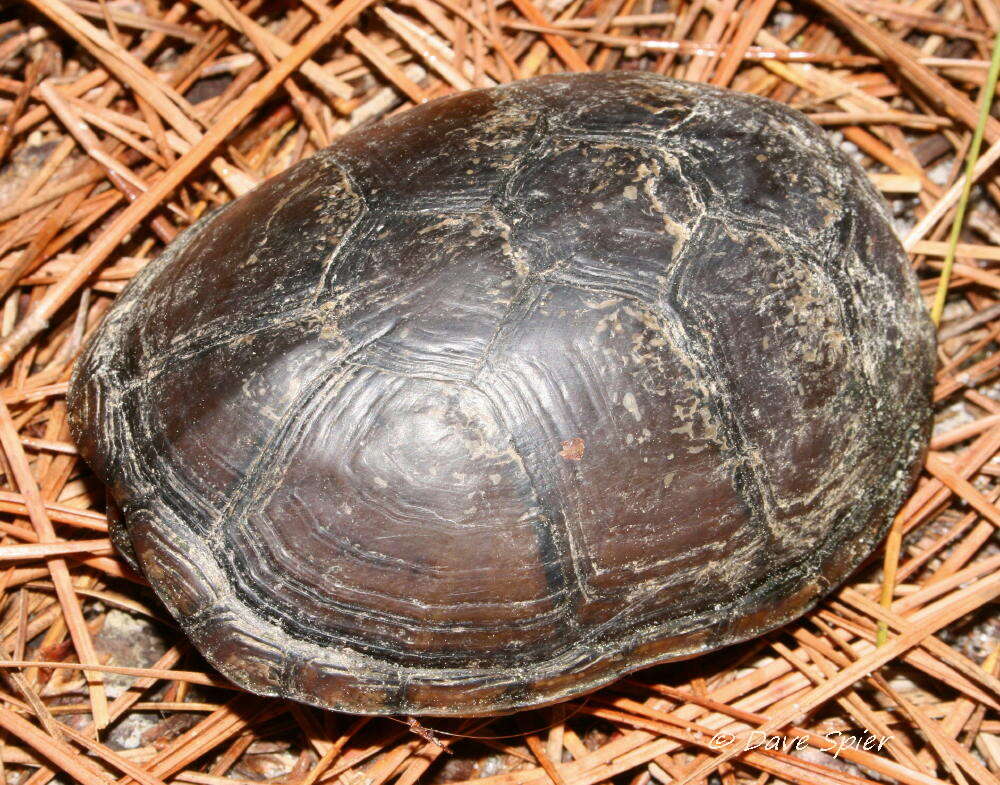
(512, 393)
(800, 410)
(229, 283)
(423, 294)
(420, 577)
(763, 162)
(637, 515)
(450, 156)
(625, 211)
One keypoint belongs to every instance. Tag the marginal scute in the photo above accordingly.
(641, 110)
(327, 683)
(505, 396)
(487, 136)
(230, 643)
(182, 583)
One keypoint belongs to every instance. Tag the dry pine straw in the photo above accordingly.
(121, 122)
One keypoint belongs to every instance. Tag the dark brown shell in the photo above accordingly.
(492, 402)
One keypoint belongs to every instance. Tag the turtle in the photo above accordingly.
(511, 393)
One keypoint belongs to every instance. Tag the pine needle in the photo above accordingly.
(985, 102)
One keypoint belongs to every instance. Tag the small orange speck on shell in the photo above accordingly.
(572, 449)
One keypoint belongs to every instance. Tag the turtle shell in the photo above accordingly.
(514, 392)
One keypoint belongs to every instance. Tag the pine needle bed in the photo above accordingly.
(122, 122)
